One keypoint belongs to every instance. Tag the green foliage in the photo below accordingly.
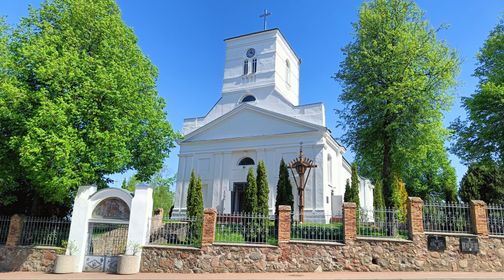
(400, 198)
(483, 181)
(396, 77)
(79, 103)
(348, 192)
(195, 197)
(284, 194)
(478, 138)
(262, 189)
(355, 185)
(250, 193)
(379, 201)
(161, 194)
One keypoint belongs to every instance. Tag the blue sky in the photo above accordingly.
(184, 39)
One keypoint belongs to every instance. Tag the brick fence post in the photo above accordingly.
(209, 221)
(15, 230)
(349, 221)
(415, 216)
(479, 217)
(284, 223)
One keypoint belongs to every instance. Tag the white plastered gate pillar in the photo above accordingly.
(86, 200)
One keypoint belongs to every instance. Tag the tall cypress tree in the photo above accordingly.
(284, 194)
(195, 197)
(262, 190)
(250, 201)
(379, 201)
(355, 185)
(348, 192)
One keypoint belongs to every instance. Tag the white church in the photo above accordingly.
(258, 117)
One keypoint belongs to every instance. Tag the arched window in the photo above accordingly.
(287, 71)
(329, 170)
(246, 161)
(254, 65)
(245, 67)
(248, 98)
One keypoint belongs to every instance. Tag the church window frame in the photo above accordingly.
(329, 170)
(254, 65)
(287, 72)
(245, 66)
(246, 161)
(248, 98)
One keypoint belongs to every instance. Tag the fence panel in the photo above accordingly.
(382, 223)
(43, 231)
(317, 227)
(181, 231)
(495, 219)
(447, 217)
(4, 229)
(245, 228)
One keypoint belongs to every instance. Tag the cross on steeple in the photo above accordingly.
(264, 16)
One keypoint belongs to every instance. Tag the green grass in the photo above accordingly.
(231, 233)
(369, 231)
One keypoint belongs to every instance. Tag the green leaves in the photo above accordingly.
(195, 197)
(284, 194)
(80, 102)
(396, 76)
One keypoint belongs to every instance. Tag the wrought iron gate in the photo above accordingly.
(105, 242)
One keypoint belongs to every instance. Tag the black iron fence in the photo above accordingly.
(182, 231)
(4, 229)
(43, 231)
(316, 227)
(245, 228)
(495, 219)
(447, 217)
(382, 223)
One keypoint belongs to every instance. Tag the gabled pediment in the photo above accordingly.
(250, 121)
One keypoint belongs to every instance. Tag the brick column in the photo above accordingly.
(415, 216)
(15, 230)
(479, 217)
(209, 221)
(349, 221)
(284, 223)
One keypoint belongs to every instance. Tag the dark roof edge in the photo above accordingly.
(267, 30)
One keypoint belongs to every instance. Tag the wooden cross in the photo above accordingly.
(264, 16)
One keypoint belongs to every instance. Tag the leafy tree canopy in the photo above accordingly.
(78, 102)
(483, 181)
(396, 76)
(481, 137)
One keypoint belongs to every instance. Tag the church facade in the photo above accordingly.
(258, 117)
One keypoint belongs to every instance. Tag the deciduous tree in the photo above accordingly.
(480, 138)
(81, 104)
(396, 75)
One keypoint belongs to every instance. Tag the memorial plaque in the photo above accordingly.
(436, 243)
(469, 245)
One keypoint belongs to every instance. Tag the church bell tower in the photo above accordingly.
(260, 64)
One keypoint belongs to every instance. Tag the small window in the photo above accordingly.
(287, 72)
(246, 161)
(245, 67)
(254, 65)
(248, 98)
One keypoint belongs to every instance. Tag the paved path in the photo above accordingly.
(266, 276)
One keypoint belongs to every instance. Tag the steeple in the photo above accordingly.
(261, 62)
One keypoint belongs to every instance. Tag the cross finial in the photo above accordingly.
(264, 16)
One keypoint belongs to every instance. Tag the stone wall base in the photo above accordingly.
(26, 259)
(359, 255)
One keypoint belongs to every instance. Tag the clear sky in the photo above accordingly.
(184, 39)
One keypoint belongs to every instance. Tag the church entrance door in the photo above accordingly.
(237, 197)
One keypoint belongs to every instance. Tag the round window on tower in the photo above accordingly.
(248, 98)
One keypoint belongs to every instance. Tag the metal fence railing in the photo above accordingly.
(245, 228)
(107, 239)
(4, 229)
(495, 219)
(181, 231)
(382, 223)
(43, 231)
(316, 227)
(447, 217)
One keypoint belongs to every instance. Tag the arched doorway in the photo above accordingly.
(107, 234)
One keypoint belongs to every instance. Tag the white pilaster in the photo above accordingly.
(79, 226)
